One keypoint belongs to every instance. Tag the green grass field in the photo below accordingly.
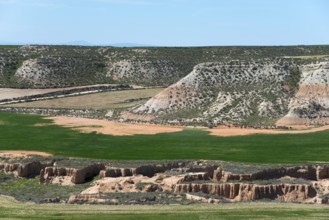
(19, 133)
(10, 209)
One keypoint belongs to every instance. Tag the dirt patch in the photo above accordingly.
(110, 127)
(21, 153)
(116, 128)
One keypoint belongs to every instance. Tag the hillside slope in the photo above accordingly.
(245, 86)
(310, 104)
(254, 93)
(64, 66)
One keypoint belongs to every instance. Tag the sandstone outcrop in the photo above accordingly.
(310, 172)
(216, 184)
(311, 102)
(249, 192)
(226, 92)
(233, 92)
(27, 170)
(77, 176)
(197, 181)
(145, 170)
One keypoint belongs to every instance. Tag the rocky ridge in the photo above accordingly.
(303, 183)
(245, 93)
(311, 102)
(41, 66)
(156, 181)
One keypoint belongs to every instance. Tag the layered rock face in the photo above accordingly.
(202, 180)
(48, 171)
(145, 170)
(227, 92)
(304, 183)
(30, 169)
(310, 172)
(246, 93)
(310, 106)
(248, 192)
(74, 175)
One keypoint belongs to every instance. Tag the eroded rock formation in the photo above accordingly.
(311, 102)
(303, 183)
(76, 176)
(249, 192)
(203, 181)
(28, 169)
(233, 92)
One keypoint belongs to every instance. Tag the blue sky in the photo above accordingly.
(166, 22)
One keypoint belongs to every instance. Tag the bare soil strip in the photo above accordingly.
(22, 153)
(117, 129)
(112, 128)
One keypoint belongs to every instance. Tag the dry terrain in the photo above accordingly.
(112, 128)
(115, 99)
(117, 128)
(21, 153)
(255, 93)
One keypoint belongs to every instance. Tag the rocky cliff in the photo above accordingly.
(25, 168)
(156, 182)
(311, 102)
(245, 93)
(249, 192)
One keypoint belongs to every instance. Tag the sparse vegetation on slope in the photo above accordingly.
(63, 66)
(247, 93)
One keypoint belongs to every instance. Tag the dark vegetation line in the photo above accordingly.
(17, 132)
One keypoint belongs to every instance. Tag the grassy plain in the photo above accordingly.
(18, 132)
(112, 100)
(10, 209)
